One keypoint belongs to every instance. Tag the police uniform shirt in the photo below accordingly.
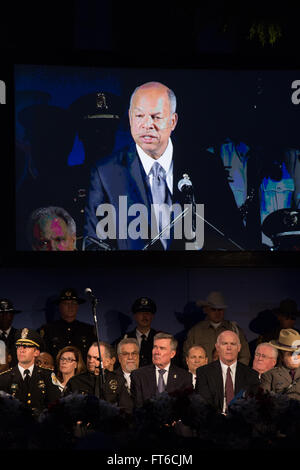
(60, 333)
(139, 336)
(5, 333)
(41, 391)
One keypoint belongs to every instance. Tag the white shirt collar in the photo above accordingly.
(6, 331)
(165, 368)
(139, 334)
(21, 369)
(225, 367)
(165, 160)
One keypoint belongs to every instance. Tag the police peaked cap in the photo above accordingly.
(27, 337)
(7, 306)
(98, 105)
(143, 304)
(69, 294)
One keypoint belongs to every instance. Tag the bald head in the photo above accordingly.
(228, 347)
(159, 86)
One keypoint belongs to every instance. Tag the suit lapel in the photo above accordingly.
(218, 383)
(152, 384)
(239, 379)
(136, 184)
(173, 378)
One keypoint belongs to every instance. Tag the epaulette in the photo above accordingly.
(45, 368)
(5, 371)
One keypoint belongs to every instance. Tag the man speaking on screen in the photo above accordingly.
(155, 195)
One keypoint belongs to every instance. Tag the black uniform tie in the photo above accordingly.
(26, 378)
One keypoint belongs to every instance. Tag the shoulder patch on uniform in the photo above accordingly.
(54, 379)
(5, 371)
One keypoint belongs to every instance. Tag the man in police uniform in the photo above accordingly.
(111, 387)
(30, 384)
(67, 330)
(143, 310)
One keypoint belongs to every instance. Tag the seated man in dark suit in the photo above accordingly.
(161, 375)
(147, 173)
(220, 381)
(128, 356)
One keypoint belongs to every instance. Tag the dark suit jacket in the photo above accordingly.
(41, 391)
(127, 393)
(143, 382)
(121, 174)
(209, 383)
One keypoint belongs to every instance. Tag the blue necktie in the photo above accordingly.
(161, 384)
(160, 195)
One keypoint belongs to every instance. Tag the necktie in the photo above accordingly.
(3, 337)
(161, 384)
(143, 350)
(292, 373)
(26, 379)
(160, 195)
(229, 393)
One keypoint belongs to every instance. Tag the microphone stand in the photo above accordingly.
(102, 246)
(167, 227)
(180, 216)
(94, 302)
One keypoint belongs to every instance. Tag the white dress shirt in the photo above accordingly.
(127, 378)
(166, 161)
(139, 336)
(21, 369)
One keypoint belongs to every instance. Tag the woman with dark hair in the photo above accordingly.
(69, 362)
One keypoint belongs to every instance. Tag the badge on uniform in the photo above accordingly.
(41, 384)
(113, 384)
(14, 388)
(24, 333)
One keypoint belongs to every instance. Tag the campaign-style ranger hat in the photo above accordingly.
(6, 306)
(69, 294)
(27, 337)
(289, 340)
(143, 304)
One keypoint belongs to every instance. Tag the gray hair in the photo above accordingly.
(274, 350)
(228, 331)
(171, 94)
(127, 341)
(50, 211)
(162, 335)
